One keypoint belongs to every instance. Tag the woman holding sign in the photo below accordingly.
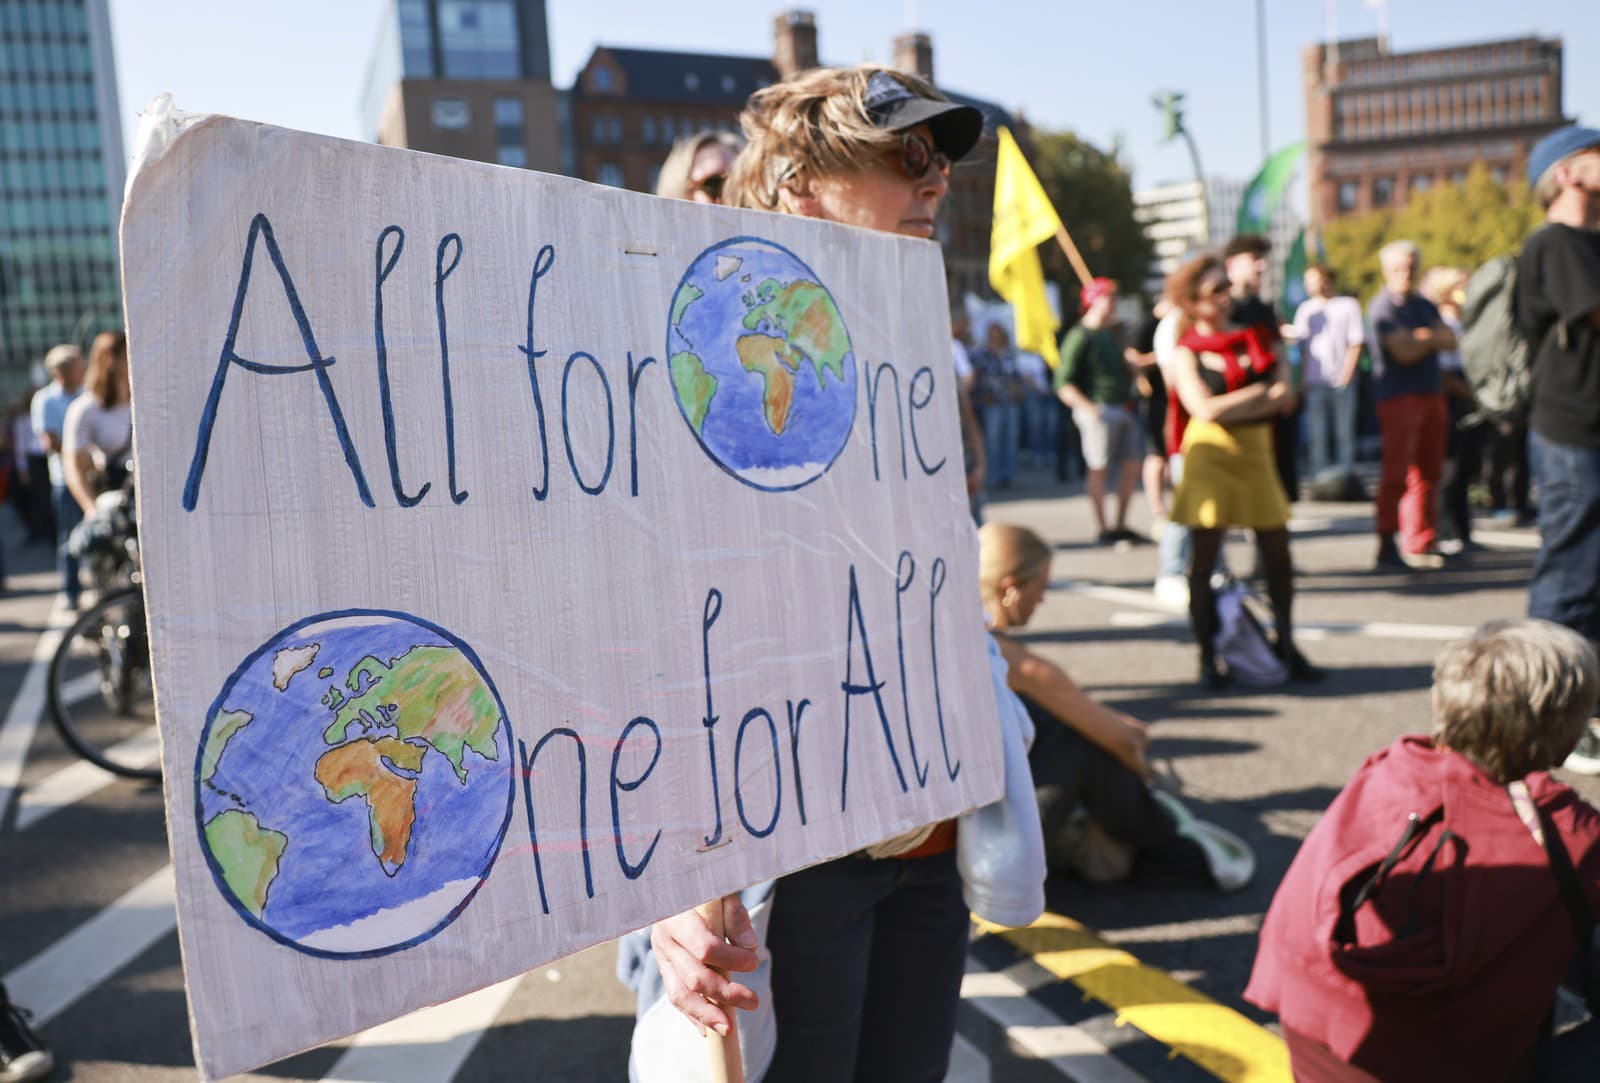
(868, 950)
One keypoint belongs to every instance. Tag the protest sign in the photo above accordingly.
(526, 560)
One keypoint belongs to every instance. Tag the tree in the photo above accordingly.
(1458, 225)
(1092, 191)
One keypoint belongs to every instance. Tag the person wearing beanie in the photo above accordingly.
(1558, 309)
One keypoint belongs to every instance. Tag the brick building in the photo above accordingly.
(1382, 124)
(467, 78)
(628, 105)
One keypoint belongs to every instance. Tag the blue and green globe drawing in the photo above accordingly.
(354, 783)
(761, 364)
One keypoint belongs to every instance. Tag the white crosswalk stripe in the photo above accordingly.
(428, 1046)
(78, 781)
(25, 712)
(93, 952)
(1036, 1031)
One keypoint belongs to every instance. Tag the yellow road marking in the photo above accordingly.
(1188, 1022)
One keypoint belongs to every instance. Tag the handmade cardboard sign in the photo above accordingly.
(526, 561)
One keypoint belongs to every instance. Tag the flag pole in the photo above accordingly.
(1074, 257)
(727, 1061)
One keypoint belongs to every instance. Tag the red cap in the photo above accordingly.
(1096, 289)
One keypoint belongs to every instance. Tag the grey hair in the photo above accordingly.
(1515, 696)
(61, 356)
(1399, 248)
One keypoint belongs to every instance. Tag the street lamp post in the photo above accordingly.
(1170, 102)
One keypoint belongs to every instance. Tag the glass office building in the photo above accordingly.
(61, 176)
(468, 78)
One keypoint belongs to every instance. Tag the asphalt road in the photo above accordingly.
(85, 901)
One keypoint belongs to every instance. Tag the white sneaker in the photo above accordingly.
(1172, 590)
(1231, 861)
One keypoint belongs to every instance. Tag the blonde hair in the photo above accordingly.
(1440, 284)
(815, 123)
(1007, 550)
(102, 381)
(1514, 696)
(673, 180)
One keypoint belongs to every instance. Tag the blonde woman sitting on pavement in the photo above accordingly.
(1090, 762)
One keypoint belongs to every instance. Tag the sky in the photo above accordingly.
(1065, 64)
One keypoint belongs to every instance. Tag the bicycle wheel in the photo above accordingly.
(100, 695)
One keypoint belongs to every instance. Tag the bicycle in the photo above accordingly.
(99, 691)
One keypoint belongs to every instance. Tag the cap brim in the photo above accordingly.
(956, 128)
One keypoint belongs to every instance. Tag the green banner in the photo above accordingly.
(1265, 191)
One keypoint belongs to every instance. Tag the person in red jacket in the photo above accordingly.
(1421, 932)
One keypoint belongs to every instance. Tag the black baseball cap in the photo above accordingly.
(895, 107)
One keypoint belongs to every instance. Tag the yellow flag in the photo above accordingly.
(1023, 218)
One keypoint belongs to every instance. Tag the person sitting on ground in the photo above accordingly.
(1421, 931)
(1095, 382)
(696, 168)
(1230, 386)
(1090, 762)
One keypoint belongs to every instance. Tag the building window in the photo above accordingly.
(611, 174)
(655, 176)
(614, 129)
(601, 80)
(668, 130)
(511, 148)
(647, 130)
(451, 114)
(1499, 173)
(479, 39)
(1383, 191)
(1421, 184)
(691, 81)
(1347, 195)
(728, 84)
(416, 39)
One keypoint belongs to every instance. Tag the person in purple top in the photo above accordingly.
(1328, 328)
(1406, 337)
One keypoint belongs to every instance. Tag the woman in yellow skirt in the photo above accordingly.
(1230, 386)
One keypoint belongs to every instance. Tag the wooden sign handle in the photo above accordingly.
(727, 1062)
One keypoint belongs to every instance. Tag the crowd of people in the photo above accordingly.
(1217, 398)
(1367, 953)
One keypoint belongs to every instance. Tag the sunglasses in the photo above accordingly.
(712, 186)
(916, 155)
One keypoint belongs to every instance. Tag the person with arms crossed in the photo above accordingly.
(1407, 337)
